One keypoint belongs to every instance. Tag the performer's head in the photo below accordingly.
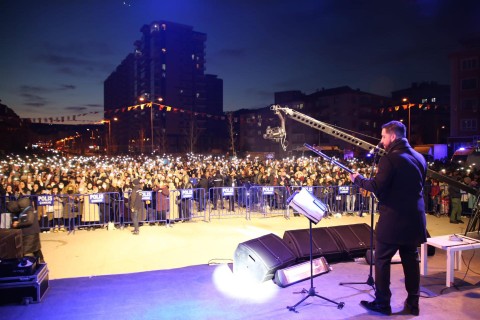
(392, 131)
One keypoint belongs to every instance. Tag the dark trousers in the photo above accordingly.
(135, 220)
(411, 269)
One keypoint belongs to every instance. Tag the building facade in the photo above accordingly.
(165, 77)
(423, 103)
(465, 95)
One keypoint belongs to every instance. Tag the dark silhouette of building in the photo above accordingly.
(167, 68)
(424, 109)
(13, 130)
(465, 95)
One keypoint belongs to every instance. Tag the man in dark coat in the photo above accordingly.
(26, 219)
(401, 226)
(136, 204)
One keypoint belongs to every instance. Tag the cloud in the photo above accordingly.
(33, 100)
(94, 105)
(67, 87)
(78, 59)
(76, 108)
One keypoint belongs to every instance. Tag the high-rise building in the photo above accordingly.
(167, 68)
(465, 95)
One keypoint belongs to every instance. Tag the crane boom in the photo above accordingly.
(280, 135)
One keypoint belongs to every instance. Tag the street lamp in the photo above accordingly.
(146, 97)
(408, 106)
(109, 132)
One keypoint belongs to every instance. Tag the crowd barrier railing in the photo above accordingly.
(228, 201)
(71, 211)
(269, 200)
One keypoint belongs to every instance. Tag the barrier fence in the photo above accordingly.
(71, 211)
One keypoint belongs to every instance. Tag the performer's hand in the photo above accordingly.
(353, 176)
(14, 224)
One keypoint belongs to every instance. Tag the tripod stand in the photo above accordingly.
(474, 218)
(311, 292)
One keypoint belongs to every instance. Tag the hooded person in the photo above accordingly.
(136, 204)
(26, 220)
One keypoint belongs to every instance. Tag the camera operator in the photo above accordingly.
(25, 219)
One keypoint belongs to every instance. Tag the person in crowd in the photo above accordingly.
(186, 203)
(231, 181)
(204, 183)
(398, 184)
(136, 204)
(162, 194)
(218, 183)
(455, 203)
(435, 196)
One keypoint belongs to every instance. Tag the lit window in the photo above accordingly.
(164, 66)
(469, 124)
(434, 99)
(164, 26)
(424, 100)
(164, 50)
(198, 95)
(193, 57)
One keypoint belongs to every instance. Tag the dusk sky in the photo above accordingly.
(56, 54)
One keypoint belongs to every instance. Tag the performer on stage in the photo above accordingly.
(401, 226)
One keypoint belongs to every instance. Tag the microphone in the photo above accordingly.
(377, 147)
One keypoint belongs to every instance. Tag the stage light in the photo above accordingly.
(243, 287)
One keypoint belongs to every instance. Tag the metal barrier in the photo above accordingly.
(228, 201)
(187, 204)
(71, 211)
(269, 200)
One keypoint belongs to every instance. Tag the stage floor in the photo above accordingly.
(184, 272)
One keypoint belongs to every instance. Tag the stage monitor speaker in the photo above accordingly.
(259, 258)
(323, 244)
(354, 238)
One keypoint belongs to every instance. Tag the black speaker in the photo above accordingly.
(259, 258)
(354, 239)
(11, 244)
(323, 244)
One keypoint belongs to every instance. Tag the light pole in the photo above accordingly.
(408, 106)
(146, 97)
(107, 121)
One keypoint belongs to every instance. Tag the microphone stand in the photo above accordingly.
(370, 280)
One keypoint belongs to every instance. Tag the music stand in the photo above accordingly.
(313, 209)
(370, 280)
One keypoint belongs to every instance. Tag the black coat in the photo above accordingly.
(398, 186)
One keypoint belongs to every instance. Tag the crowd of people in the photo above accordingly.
(78, 175)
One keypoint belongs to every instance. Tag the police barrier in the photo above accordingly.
(269, 200)
(66, 212)
(228, 201)
(57, 212)
(187, 204)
